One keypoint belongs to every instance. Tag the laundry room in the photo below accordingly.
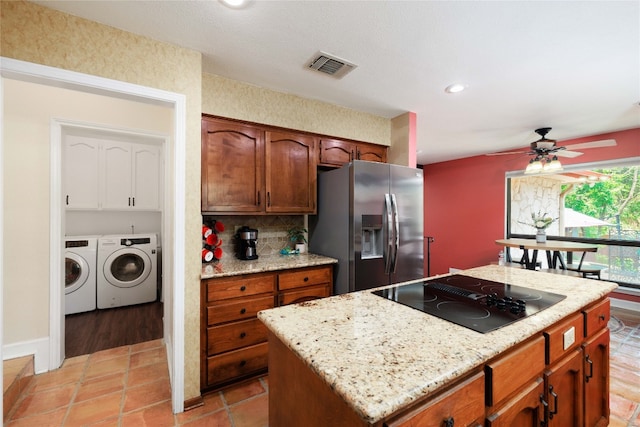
(106, 166)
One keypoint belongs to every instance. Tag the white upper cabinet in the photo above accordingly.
(114, 175)
(81, 176)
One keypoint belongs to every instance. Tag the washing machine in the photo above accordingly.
(80, 259)
(127, 272)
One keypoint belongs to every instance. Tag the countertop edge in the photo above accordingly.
(236, 267)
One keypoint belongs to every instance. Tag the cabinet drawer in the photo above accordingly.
(463, 405)
(243, 308)
(596, 317)
(235, 335)
(305, 294)
(237, 363)
(507, 374)
(304, 277)
(254, 284)
(563, 338)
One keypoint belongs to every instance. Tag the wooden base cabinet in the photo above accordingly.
(233, 341)
(596, 377)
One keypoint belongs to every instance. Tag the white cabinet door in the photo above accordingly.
(116, 168)
(146, 163)
(80, 173)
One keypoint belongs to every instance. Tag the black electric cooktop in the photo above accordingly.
(478, 304)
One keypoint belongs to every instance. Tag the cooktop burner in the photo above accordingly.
(478, 304)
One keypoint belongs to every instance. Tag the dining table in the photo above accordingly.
(553, 249)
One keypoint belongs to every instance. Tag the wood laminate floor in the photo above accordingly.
(97, 330)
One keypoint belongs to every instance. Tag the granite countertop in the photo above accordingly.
(381, 356)
(234, 267)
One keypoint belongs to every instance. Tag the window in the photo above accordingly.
(596, 203)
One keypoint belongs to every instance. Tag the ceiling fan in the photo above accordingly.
(546, 152)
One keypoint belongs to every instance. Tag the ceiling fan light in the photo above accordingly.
(553, 165)
(534, 166)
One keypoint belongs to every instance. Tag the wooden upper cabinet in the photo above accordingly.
(232, 167)
(336, 152)
(290, 172)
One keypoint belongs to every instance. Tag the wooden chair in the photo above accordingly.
(587, 269)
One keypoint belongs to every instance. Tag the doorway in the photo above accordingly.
(174, 207)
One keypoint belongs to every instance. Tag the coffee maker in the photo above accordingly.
(246, 240)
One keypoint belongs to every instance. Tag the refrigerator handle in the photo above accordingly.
(396, 232)
(388, 230)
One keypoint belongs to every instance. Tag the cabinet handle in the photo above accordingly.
(268, 199)
(602, 317)
(133, 201)
(129, 203)
(243, 311)
(242, 363)
(352, 157)
(358, 153)
(259, 200)
(306, 279)
(546, 410)
(243, 288)
(67, 200)
(448, 422)
(590, 363)
(243, 334)
(555, 403)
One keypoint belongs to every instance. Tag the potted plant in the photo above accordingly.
(298, 239)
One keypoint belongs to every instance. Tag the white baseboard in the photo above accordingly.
(38, 348)
(624, 304)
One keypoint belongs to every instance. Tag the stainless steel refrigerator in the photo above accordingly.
(370, 218)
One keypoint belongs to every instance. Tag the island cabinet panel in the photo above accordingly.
(513, 370)
(462, 405)
(563, 338)
(596, 379)
(232, 171)
(290, 173)
(596, 317)
(337, 152)
(233, 341)
(523, 410)
(564, 391)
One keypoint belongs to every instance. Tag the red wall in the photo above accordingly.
(465, 200)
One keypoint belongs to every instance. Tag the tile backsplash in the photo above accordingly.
(272, 231)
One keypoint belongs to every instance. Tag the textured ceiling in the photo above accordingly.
(570, 65)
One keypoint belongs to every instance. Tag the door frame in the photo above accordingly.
(174, 230)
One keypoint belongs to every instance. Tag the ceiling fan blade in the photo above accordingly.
(593, 144)
(507, 152)
(567, 153)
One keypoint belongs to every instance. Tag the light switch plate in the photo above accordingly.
(569, 337)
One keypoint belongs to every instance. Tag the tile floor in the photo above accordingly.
(129, 386)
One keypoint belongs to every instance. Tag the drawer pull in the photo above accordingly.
(243, 288)
(590, 363)
(555, 403)
(602, 317)
(448, 422)
(243, 310)
(242, 363)
(306, 279)
(243, 334)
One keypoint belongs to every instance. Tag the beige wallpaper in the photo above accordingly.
(237, 100)
(36, 34)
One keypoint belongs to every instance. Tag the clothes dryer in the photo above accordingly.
(127, 272)
(80, 258)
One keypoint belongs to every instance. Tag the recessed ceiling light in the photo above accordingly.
(233, 3)
(455, 88)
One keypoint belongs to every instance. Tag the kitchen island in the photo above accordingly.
(359, 359)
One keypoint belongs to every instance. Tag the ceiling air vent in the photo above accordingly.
(329, 64)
